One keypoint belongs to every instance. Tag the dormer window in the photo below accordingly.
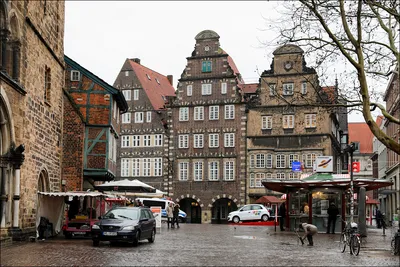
(206, 66)
(157, 81)
(148, 77)
(75, 75)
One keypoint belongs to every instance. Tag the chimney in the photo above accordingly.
(170, 79)
(137, 60)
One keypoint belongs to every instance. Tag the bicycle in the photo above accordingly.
(351, 238)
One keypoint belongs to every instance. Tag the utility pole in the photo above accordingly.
(350, 148)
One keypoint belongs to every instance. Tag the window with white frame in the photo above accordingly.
(124, 167)
(260, 161)
(126, 117)
(183, 171)
(126, 73)
(229, 139)
(75, 75)
(229, 170)
(158, 139)
(311, 120)
(229, 112)
(288, 88)
(125, 141)
(127, 94)
(280, 161)
(259, 178)
(280, 175)
(309, 160)
(213, 140)
(136, 94)
(293, 157)
(198, 171)
(157, 167)
(146, 167)
(214, 113)
(304, 88)
(198, 113)
(135, 140)
(224, 88)
(213, 170)
(148, 116)
(198, 140)
(252, 161)
(183, 141)
(272, 89)
(135, 167)
(189, 90)
(146, 140)
(268, 175)
(252, 180)
(206, 89)
(138, 117)
(266, 122)
(184, 114)
(268, 161)
(293, 175)
(288, 121)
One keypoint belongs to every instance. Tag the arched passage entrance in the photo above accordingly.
(192, 208)
(220, 210)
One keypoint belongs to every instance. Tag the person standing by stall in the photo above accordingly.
(282, 215)
(73, 209)
(333, 212)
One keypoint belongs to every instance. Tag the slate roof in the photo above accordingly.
(156, 85)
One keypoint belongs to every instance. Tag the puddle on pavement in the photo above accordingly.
(246, 237)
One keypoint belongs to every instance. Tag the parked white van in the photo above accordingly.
(163, 203)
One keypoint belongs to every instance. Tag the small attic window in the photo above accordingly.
(148, 77)
(75, 75)
(157, 81)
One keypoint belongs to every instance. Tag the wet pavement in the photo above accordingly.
(205, 245)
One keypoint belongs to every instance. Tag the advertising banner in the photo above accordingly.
(324, 164)
(157, 215)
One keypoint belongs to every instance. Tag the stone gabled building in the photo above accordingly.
(286, 123)
(207, 146)
(143, 147)
(31, 103)
(91, 128)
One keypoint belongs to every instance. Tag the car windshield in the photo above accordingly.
(129, 214)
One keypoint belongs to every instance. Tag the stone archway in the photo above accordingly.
(221, 207)
(192, 208)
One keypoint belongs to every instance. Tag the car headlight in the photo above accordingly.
(129, 228)
(95, 226)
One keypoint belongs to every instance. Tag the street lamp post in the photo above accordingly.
(350, 149)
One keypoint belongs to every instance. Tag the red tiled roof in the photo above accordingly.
(269, 199)
(233, 67)
(249, 88)
(156, 91)
(360, 132)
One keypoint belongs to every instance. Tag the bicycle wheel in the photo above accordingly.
(355, 245)
(343, 242)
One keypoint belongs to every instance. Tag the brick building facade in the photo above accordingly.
(286, 121)
(91, 128)
(208, 134)
(143, 147)
(31, 103)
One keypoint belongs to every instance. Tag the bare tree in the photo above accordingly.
(362, 34)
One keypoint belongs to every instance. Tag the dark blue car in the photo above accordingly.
(125, 224)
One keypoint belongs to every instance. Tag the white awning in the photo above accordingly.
(73, 194)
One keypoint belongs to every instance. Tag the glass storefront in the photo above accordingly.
(321, 199)
(298, 208)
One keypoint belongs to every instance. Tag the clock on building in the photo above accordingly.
(206, 48)
(288, 65)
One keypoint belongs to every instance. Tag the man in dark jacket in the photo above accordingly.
(282, 215)
(73, 209)
(333, 212)
(176, 216)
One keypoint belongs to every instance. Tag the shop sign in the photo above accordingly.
(324, 164)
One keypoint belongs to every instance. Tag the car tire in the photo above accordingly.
(153, 236)
(136, 239)
(264, 218)
(96, 243)
(236, 219)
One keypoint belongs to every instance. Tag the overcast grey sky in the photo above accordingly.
(100, 35)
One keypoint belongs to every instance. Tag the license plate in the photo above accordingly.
(79, 233)
(110, 233)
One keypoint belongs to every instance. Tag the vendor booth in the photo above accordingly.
(308, 199)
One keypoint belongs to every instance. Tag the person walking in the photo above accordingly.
(309, 231)
(170, 215)
(378, 217)
(333, 212)
(282, 215)
(176, 215)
